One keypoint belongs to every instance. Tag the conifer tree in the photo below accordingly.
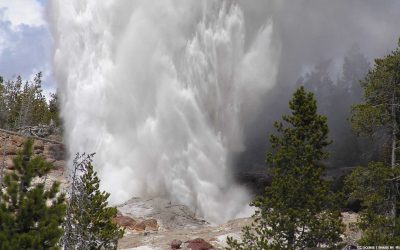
(30, 214)
(297, 210)
(379, 116)
(371, 185)
(89, 222)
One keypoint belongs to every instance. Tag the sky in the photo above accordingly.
(25, 41)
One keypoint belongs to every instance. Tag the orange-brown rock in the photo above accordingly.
(131, 224)
(151, 224)
(38, 145)
(176, 244)
(11, 150)
(199, 244)
(55, 151)
(9, 163)
(11, 143)
(125, 221)
(17, 140)
(139, 227)
(58, 164)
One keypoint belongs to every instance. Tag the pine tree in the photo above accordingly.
(12, 96)
(379, 116)
(372, 187)
(30, 214)
(89, 222)
(297, 210)
(54, 110)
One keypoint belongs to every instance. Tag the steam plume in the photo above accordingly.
(159, 90)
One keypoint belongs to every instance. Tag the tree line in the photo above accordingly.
(299, 210)
(23, 103)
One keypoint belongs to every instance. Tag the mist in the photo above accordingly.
(315, 34)
(178, 97)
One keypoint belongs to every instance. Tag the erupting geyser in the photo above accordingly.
(159, 89)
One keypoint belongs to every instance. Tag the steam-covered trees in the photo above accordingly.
(30, 214)
(379, 114)
(349, 150)
(355, 67)
(297, 210)
(335, 99)
(89, 222)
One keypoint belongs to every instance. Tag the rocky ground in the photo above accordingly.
(173, 223)
(161, 224)
(155, 223)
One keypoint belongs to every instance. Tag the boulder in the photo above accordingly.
(9, 163)
(58, 164)
(151, 224)
(199, 244)
(131, 224)
(139, 227)
(125, 221)
(11, 150)
(38, 145)
(38, 152)
(55, 151)
(176, 244)
(18, 140)
(38, 131)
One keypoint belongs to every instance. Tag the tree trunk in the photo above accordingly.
(291, 238)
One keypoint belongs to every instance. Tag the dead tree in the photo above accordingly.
(72, 233)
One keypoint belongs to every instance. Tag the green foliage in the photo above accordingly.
(24, 104)
(371, 185)
(54, 110)
(89, 218)
(381, 92)
(297, 211)
(377, 184)
(367, 118)
(30, 214)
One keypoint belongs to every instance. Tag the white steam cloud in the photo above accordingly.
(159, 89)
